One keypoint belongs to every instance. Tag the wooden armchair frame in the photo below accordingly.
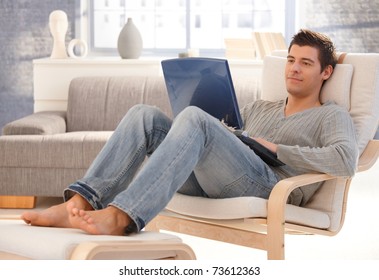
(265, 234)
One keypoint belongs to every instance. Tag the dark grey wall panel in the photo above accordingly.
(24, 36)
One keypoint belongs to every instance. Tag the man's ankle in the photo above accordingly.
(123, 218)
(81, 203)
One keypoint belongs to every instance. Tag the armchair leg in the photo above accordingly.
(25, 202)
(275, 247)
(275, 234)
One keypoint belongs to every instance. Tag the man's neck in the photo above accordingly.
(296, 105)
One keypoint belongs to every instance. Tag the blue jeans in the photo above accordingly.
(194, 155)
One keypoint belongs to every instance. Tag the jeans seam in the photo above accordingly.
(162, 174)
(131, 163)
(124, 171)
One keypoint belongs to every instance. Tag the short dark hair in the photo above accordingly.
(327, 52)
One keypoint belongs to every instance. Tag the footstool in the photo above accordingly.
(21, 241)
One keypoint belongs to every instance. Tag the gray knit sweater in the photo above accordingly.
(321, 139)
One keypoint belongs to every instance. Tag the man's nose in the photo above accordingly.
(295, 67)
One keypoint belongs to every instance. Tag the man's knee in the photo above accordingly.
(193, 117)
(143, 114)
(143, 109)
(192, 113)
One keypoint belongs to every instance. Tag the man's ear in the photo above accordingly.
(327, 72)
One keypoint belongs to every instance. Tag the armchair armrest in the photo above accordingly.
(282, 190)
(41, 123)
(276, 209)
(369, 155)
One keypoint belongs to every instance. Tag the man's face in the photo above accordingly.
(303, 73)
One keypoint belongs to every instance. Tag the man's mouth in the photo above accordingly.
(294, 78)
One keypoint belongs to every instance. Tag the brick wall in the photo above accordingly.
(24, 36)
(352, 25)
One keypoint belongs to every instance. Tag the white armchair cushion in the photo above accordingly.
(364, 104)
(273, 83)
(243, 208)
(337, 88)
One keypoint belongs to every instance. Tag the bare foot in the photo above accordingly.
(108, 221)
(55, 216)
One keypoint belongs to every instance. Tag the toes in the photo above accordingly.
(75, 212)
(27, 221)
(27, 217)
(90, 220)
(86, 217)
(82, 213)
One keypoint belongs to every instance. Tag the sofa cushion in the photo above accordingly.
(66, 150)
(247, 89)
(99, 103)
(37, 181)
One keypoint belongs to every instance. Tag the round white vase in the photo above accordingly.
(129, 44)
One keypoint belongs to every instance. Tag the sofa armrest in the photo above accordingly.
(42, 123)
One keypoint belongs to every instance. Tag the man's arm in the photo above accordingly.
(269, 145)
(337, 154)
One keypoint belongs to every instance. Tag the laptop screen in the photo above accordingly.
(205, 83)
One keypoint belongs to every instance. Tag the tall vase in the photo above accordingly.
(129, 44)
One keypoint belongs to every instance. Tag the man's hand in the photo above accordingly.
(271, 146)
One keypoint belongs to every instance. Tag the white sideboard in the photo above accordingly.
(53, 76)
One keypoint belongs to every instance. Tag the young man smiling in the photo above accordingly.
(196, 155)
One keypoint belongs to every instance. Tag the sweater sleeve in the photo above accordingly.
(338, 154)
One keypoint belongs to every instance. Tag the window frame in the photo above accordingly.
(85, 21)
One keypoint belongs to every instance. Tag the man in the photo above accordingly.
(196, 155)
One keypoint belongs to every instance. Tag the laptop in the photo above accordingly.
(207, 84)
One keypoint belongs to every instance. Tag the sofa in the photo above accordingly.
(42, 153)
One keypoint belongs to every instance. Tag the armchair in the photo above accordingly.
(262, 224)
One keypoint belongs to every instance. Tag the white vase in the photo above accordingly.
(129, 44)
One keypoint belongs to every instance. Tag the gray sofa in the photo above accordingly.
(43, 153)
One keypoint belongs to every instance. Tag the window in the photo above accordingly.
(172, 26)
